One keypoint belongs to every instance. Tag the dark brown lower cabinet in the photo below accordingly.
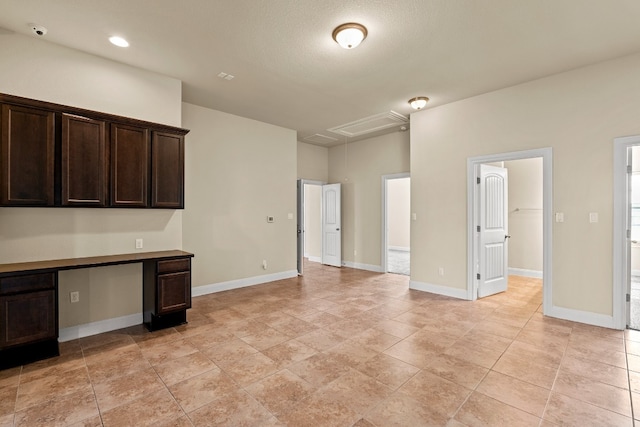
(167, 292)
(28, 318)
(29, 299)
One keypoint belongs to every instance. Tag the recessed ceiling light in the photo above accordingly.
(119, 41)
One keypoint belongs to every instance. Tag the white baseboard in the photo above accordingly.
(314, 258)
(580, 316)
(535, 274)
(438, 289)
(359, 266)
(94, 328)
(635, 272)
(241, 283)
(399, 248)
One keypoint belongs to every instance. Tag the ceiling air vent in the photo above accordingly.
(320, 139)
(371, 124)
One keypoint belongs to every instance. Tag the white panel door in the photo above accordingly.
(331, 225)
(493, 228)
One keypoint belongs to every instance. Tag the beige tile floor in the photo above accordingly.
(339, 347)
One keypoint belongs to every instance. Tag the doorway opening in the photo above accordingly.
(396, 226)
(319, 230)
(634, 243)
(626, 232)
(523, 210)
(309, 211)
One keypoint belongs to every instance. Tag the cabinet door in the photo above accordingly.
(174, 292)
(28, 317)
(129, 166)
(167, 171)
(84, 161)
(27, 148)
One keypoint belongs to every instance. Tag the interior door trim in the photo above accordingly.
(547, 214)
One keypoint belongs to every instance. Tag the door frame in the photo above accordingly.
(547, 215)
(620, 240)
(301, 209)
(384, 238)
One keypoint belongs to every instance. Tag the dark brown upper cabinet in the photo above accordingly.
(84, 161)
(167, 170)
(56, 155)
(27, 156)
(129, 166)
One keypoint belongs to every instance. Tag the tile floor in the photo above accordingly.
(399, 262)
(339, 347)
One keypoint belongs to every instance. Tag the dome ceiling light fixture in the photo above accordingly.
(418, 102)
(350, 35)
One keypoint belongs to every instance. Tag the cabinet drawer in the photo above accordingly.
(27, 283)
(173, 265)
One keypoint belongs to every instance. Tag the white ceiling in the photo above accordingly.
(289, 71)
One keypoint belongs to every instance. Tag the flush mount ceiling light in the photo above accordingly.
(418, 102)
(119, 41)
(349, 35)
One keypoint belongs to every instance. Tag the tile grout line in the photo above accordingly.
(546, 405)
(626, 359)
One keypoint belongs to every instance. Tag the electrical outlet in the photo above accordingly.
(441, 271)
(74, 296)
(139, 244)
(264, 264)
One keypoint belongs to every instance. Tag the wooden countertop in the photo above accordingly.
(87, 262)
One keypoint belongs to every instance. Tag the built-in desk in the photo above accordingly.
(29, 299)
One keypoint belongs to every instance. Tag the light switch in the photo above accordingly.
(593, 217)
(559, 217)
(290, 215)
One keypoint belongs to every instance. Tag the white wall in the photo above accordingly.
(578, 114)
(313, 162)
(360, 172)
(45, 71)
(237, 172)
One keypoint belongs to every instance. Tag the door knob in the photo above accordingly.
(337, 229)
